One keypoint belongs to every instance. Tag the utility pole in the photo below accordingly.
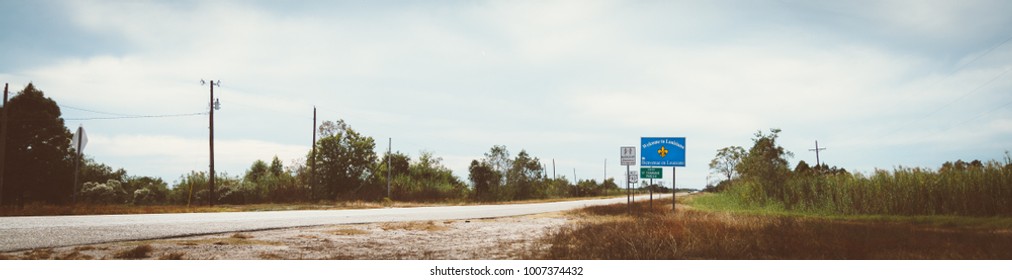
(312, 159)
(390, 144)
(816, 150)
(553, 170)
(576, 183)
(3, 144)
(213, 106)
(605, 176)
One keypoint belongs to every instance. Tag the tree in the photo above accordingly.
(727, 160)
(39, 156)
(257, 171)
(483, 178)
(525, 176)
(498, 157)
(766, 163)
(803, 168)
(344, 159)
(277, 168)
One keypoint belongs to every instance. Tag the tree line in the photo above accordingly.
(345, 162)
(762, 177)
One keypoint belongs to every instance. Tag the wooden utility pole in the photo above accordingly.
(390, 144)
(816, 150)
(312, 159)
(213, 106)
(3, 144)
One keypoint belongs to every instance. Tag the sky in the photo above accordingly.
(880, 84)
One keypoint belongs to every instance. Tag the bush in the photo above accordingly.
(109, 193)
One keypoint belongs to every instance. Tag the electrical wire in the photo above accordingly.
(137, 117)
(98, 112)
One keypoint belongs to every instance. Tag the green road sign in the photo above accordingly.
(651, 172)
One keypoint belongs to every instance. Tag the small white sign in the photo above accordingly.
(80, 139)
(634, 177)
(628, 156)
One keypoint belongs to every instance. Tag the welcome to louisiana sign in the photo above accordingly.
(662, 151)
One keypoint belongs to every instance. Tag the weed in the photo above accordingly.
(75, 255)
(414, 226)
(270, 256)
(172, 256)
(39, 254)
(348, 231)
(139, 252)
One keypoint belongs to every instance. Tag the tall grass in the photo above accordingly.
(607, 233)
(967, 190)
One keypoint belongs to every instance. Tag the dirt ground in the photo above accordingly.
(501, 238)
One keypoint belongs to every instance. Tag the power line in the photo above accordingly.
(970, 92)
(98, 112)
(949, 75)
(137, 117)
(984, 114)
(981, 86)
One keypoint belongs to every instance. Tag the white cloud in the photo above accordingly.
(169, 156)
(567, 80)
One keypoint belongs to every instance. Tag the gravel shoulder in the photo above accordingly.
(495, 238)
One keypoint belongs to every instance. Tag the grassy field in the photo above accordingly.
(712, 227)
(979, 189)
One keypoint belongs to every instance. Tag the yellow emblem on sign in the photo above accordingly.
(663, 152)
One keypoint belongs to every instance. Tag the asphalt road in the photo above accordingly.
(23, 233)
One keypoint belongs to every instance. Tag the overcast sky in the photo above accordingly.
(880, 83)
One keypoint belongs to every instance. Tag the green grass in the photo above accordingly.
(979, 189)
(728, 203)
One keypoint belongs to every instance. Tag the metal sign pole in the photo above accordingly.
(651, 187)
(628, 191)
(673, 188)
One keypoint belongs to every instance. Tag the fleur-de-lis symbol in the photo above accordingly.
(663, 152)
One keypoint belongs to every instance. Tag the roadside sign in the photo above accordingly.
(651, 172)
(662, 151)
(633, 177)
(80, 140)
(628, 155)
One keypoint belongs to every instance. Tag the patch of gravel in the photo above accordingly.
(500, 238)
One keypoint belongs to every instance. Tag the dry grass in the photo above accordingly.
(692, 234)
(414, 226)
(348, 231)
(172, 256)
(139, 252)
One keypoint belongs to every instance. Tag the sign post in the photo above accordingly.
(651, 173)
(664, 151)
(628, 155)
(80, 140)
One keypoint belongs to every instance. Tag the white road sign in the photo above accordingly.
(634, 177)
(628, 155)
(80, 139)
